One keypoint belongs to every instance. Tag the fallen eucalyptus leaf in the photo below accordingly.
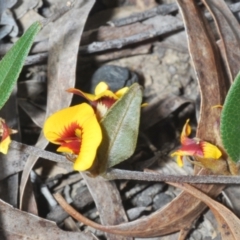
(229, 31)
(62, 61)
(228, 223)
(120, 129)
(229, 123)
(16, 224)
(12, 63)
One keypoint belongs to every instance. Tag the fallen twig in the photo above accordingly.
(113, 174)
(31, 150)
(162, 9)
(119, 43)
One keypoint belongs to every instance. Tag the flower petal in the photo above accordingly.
(91, 139)
(56, 125)
(101, 87)
(72, 147)
(6, 140)
(210, 151)
(186, 130)
(121, 92)
(106, 94)
(56, 128)
(180, 161)
(4, 145)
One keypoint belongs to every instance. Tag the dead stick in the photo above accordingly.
(31, 150)
(119, 43)
(162, 9)
(113, 174)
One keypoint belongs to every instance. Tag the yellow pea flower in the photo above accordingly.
(5, 136)
(194, 147)
(77, 131)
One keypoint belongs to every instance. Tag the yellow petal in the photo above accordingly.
(211, 151)
(186, 130)
(56, 123)
(106, 93)
(65, 150)
(91, 139)
(121, 92)
(179, 161)
(4, 145)
(101, 87)
(91, 135)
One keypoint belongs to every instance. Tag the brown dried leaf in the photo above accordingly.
(207, 65)
(64, 41)
(231, 196)
(228, 223)
(171, 218)
(35, 113)
(16, 224)
(108, 202)
(229, 31)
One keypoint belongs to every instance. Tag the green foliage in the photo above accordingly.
(12, 63)
(230, 121)
(120, 128)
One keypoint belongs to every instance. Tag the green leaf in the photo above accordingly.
(12, 63)
(230, 121)
(120, 129)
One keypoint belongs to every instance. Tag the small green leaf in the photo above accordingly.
(12, 63)
(120, 129)
(230, 121)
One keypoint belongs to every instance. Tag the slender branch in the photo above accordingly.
(31, 150)
(113, 174)
(162, 9)
(119, 43)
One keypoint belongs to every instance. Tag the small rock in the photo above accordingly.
(161, 200)
(116, 77)
(145, 198)
(134, 213)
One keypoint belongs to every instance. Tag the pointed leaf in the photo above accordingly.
(12, 63)
(120, 128)
(230, 121)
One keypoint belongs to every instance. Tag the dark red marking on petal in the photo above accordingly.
(74, 145)
(69, 139)
(193, 148)
(107, 101)
(5, 133)
(69, 131)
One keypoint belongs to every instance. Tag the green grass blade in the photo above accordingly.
(230, 121)
(12, 63)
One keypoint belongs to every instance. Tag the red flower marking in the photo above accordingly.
(106, 101)
(5, 129)
(69, 138)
